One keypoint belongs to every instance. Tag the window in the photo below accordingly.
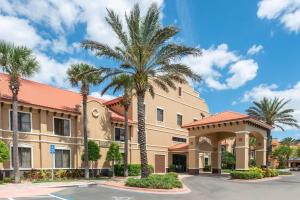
(61, 126)
(195, 119)
(179, 91)
(24, 121)
(206, 161)
(178, 139)
(24, 157)
(179, 120)
(160, 115)
(62, 158)
(119, 134)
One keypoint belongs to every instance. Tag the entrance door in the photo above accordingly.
(160, 165)
(179, 162)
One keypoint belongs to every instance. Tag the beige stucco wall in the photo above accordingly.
(101, 128)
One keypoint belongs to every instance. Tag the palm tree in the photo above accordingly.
(77, 76)
(147, 53)
(288, 141)
(17, 61)
(126, 84)
(273, 112)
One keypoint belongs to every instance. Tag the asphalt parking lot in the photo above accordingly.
(202, 187)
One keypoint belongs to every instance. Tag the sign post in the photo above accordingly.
(52, 152)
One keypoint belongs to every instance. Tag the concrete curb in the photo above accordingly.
(254, 180)
(183, 190)
(70, 185)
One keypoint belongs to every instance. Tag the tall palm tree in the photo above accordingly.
(288, 141)
(17, 61)
(273, 111)
(147, 53)
(77, 76)
(124, 83)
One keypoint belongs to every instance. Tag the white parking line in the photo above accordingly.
(10, 198)
(58, 197)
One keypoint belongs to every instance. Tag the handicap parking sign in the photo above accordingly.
(52, 148)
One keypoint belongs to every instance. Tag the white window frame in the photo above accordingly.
(70, 121)
(9, 122)
(177, 119)
(63, 148)
(22, 145)
(161, 108)
(115, 134)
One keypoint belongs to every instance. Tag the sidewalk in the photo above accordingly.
(36, 189)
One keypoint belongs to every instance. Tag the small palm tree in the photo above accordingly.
(147, 53)
(78, 76)
(288, 141)
(273, 112)
(17, 61)
(124, 83)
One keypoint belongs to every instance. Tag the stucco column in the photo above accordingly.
(216, 155)
(261, 151)
(193, 156)
(242, 150)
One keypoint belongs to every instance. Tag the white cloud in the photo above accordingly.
(215, 61)
(62, 16)
(255, 49)
(60, 45)
(270, 91)
(105, 96)
(286, 11)
(53, 72)
(20, 32)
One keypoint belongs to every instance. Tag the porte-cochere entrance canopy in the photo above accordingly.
(224, 125)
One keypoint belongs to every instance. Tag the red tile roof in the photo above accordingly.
(43, 95)
(179, 147)
(117, 117)
(223, 117)
(113, 101)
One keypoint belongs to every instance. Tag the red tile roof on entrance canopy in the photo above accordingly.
(226, 116)
(34, 93)
(179, 147)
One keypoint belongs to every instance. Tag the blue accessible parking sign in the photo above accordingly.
(52, 148)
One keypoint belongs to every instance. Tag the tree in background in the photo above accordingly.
(77, 76)
(93, 152)
(228, 160)
(4, 152)
(252, 147)
(288, 141)
(282, 153)
(148, 53)
(124, 83)
(113, 155)
(18, 62)
(273, 112)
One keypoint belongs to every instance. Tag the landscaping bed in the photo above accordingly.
(156, 181)
(254, 173)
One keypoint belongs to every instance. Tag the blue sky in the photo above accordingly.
(251, 49)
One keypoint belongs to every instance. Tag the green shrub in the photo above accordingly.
(270, 172)
(156, 181)
(207, 168)
(60, 174)
(246, 175)
(8, 180)
(133, 169)
(256, 169)
(172, 168)
(284, 173)
(173, 174)
(252, 163)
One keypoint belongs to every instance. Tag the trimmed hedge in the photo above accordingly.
(156, 181)
(245, 175)
(254, 173)
(284, 173)
(133, 169)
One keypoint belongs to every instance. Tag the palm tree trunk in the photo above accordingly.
(126, 141)
(15, 139)
(269, 148)
(142, 134)
(85, 135)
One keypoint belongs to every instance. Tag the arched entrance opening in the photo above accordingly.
(219, 127)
